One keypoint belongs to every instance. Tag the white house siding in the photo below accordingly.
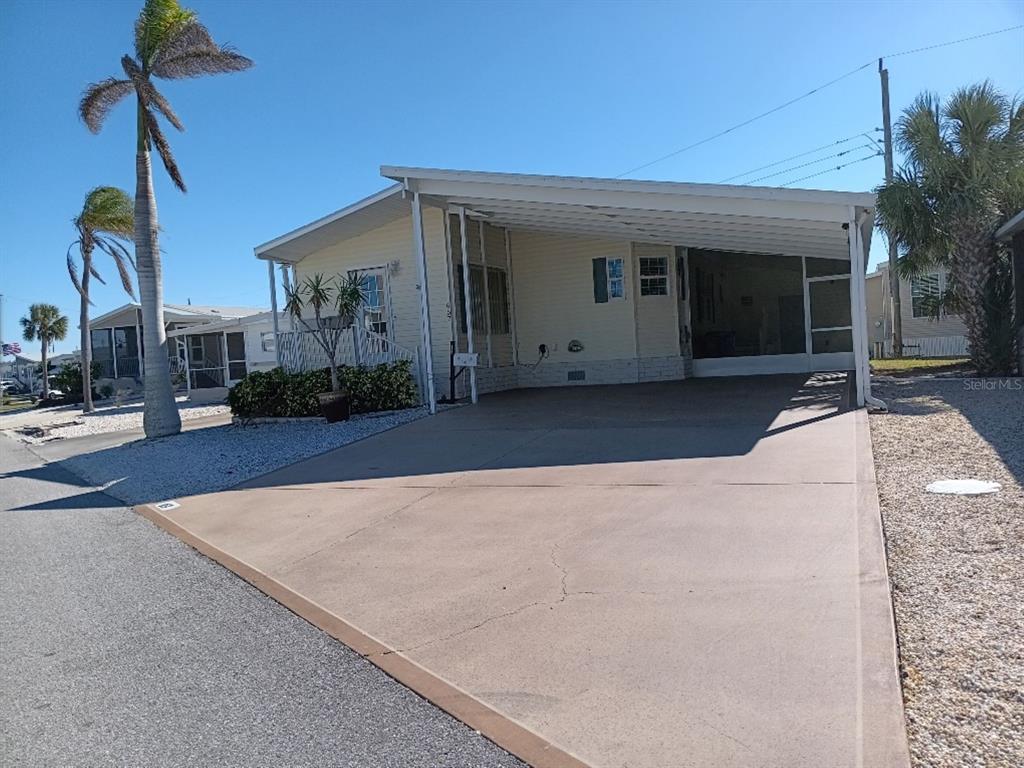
(923, 336)
(391, 246)
(554, 304)
(257, 358)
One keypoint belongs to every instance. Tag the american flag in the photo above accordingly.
(12, 348)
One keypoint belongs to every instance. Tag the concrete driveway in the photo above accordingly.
(678, 574)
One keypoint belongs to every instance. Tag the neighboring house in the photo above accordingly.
(22, 370)
(117, 346)
(924, 335)
(218, 354)
(574, 281)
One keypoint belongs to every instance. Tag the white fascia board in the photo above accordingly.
(640, 194)
(96, 321)
(1012, 227)
(224, 325)
(261, 250)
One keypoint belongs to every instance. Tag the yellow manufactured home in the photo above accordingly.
(491, 281)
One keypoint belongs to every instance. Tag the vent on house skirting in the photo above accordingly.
(577, 375)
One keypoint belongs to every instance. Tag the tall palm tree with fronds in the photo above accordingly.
(170, 43)
(963, 177)
(105, 219)
(44, 323)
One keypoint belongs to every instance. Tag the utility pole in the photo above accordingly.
(894, 278)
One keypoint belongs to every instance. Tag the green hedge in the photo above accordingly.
(386, 387)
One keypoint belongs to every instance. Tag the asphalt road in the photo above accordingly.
(121, 646)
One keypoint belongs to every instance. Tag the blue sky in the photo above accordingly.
(338, 89)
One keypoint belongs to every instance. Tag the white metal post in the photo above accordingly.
(510, 291)
(487, 297)
(858, 310)
(273, 310)
(808, 336)
(188, 367)
(224, 352)
(138, 344)
(421, 263)
(468, 302)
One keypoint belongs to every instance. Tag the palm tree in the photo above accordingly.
(170, 43)
(963, 177)
(105, 219)
(46, 324)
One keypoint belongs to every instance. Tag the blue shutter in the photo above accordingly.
(601, 281)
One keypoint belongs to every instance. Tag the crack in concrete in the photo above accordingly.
(346, 537)
(564, 594)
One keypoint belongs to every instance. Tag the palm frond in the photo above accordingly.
(976, 115)
(163, 148)
(151, 98)
(192, 52)
(204, 62)
(121, 260)
(158, 22)
(99, 98)
(95, 273)
(73, 273)
(109, 210)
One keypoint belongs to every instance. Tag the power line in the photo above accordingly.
(953, 42)
(811, 92)
(746, 122)
(831, 144)
(812, 162)
(830, 170)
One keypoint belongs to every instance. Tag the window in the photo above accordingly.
(476, 295)
(497, 288)
(267, 343)
(616, 281)
(653, 276)
(924, 294)
(609, 282)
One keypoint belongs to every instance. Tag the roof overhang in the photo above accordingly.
(351, 221)
(797, 222)
(224, 325)
(1013, 227)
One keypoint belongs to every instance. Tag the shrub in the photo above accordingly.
(69, 380)
(275, 393)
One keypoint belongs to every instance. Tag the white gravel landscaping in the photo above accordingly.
(956, 564)
(216, 458)
(103, 420)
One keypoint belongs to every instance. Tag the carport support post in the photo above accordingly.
(467, 302)
(858, 308)
(421, 264)
(273, 310)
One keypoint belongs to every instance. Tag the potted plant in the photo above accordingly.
(334, 303)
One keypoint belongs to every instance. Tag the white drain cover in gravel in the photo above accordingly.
(963, 487)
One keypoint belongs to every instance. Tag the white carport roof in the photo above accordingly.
(796, 222)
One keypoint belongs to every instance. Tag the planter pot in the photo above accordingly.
(335, 406)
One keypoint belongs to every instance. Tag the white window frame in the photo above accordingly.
(649, 280)
(940, 286)
(620, 279)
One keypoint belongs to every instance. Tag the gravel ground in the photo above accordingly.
(121, 419)
(124, 647)
(215, 458)
(957, 565)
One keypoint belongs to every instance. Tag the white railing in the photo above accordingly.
(299, 351)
